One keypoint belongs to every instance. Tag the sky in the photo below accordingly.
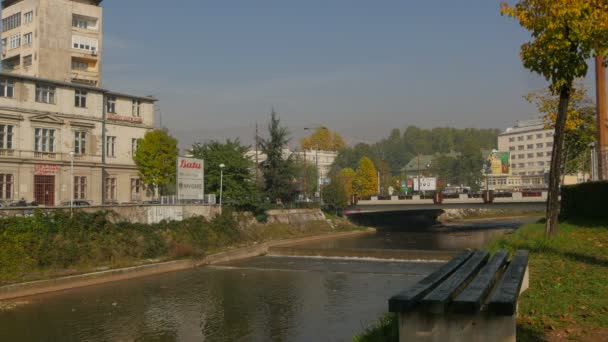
(359, 67)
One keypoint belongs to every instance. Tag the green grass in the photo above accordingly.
(568, 277)
(386, 329)
(568, 282)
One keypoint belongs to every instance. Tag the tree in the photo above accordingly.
(579, 129)
(347, 177)
(323, 139)
(156, 158)
(308, 177)
(565, 34)
(366, 178)
(239, 188)
(334, 195)
(279, 172)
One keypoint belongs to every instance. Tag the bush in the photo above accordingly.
(58, 240)
(584, 200)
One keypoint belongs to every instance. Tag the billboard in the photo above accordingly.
(190, 178)
(425, 184)
(500, 163)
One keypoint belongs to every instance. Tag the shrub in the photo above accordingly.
(585, 200)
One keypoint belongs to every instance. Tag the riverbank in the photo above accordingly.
(568, 294)
(53, 246)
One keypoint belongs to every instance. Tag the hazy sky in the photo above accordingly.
(360, 67)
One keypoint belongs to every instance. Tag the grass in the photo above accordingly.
(568, 278)
(568, 292)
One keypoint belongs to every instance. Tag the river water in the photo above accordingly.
(259, 299)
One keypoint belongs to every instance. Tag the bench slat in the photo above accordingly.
(474, 295)
(407, 299)
(504, 299)
(438, 299)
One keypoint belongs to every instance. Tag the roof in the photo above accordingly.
(526, 126)
(75, 85)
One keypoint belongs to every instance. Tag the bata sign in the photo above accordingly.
(190, 178)
(46, 170)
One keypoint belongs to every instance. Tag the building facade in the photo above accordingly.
(53, 39)
(62, 136)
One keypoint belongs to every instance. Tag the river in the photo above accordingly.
(258, 299)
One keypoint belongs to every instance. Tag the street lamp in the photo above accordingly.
(307, 130)
(222, 166)
(72, 153)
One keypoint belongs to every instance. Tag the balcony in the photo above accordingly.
(45, 155)
(7, 152)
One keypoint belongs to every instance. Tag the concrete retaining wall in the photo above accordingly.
(294, 217)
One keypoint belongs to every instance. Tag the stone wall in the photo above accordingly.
(147, 214)
(295, 217)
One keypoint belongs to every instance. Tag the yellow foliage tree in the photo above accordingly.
(547, 104)
(323, 139)
(347, 178)
(366, 178)
(565, 33)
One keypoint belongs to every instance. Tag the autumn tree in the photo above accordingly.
(565, 33)
(347, 177)
(323, 139)
(155, 158)
(579, 129)
(366, 178)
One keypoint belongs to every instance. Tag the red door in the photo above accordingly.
(44, 190)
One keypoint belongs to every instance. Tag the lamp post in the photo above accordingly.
(72, 153)
(222, 166)
(307, 130)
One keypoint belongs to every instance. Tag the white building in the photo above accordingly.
(325, 160)
(52, 114)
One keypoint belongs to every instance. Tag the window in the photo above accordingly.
(44, 140)
(11, 63)
(530, 163)
(548, 154)
(513, 166)
(14, 41)
(539, 136)
(541, 163)
(84, 43)
(110, 189)
(548, 134)
(511, 148)
(80, 187)
(80, 142)
(45, 93)
(530, 146)
(550, 144)
(521, 165)
(135, 189)
(6, 137)
(520, 138)
(521, 156)
(539, 145)
(529, 137)
(530, 155)
(11, 22)
(520, 147)
(6, 186)
(80, 22)
(110, 146)
(514, 156)
(27, 39)
(111, 104)
(134, 146)
(136, 108)
(539, 154)
(27, 60)
(7, 87)
(80, 98)
(79, 65)
(511, 139)
(28, 17)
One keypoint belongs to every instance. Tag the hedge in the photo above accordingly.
(588, 200)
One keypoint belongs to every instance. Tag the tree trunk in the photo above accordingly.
(556, 161)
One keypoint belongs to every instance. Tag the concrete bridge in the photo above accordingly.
(528, 201)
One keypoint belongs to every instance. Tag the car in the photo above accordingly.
(77, 203)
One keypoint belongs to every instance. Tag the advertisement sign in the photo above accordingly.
(426, 184)
(46, 170)
(500, 163)
(190, 178)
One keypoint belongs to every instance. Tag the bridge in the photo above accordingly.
(526, 201)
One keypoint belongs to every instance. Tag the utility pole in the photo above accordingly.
(257, 163)
(602, 116)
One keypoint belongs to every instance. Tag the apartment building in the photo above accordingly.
(62, 136)
(53, 39)
(530, 145)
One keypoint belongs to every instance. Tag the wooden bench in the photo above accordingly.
(471, 298)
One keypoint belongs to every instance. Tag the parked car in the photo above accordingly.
(77, 203)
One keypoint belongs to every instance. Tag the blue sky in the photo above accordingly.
(359, 67)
